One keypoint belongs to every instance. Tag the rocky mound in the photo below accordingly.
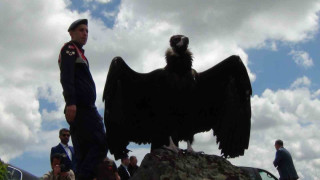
(163, 164)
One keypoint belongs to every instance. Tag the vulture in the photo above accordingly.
(173, 103)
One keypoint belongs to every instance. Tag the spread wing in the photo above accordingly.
(139, 106)
(223, 104)
(132, 103)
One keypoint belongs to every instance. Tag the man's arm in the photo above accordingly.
(46, 176)
(71, 113)
(278, 158)
(71, 175)
(67, 68)
(68, 175)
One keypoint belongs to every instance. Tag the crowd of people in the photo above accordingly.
(87, 159)
(63, 163)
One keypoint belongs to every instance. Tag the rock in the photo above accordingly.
(164, 164)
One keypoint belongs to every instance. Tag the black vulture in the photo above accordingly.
(178, 102)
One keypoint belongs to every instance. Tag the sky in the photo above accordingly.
(278, 42)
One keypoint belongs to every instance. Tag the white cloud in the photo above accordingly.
(47, 139)
(274, 46)
(247, 23)
(103, 1)
(99, 1)
(109, 15)
(316, 94)
(301, 82)
(19, 120)
(301, 58)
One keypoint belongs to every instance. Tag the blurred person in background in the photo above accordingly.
(133, 167)
(283, 162)
(123, 168)
(64, 148)
(59, 171)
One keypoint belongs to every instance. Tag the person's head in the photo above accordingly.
(64, 135)
(133, 160)
(278, 144)
(78, 31)
(55, 160)
(125, 161)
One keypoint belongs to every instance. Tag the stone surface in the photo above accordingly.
(163, 164)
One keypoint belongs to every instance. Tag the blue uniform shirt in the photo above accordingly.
(77, 83)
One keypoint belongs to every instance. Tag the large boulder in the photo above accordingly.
(163, 164)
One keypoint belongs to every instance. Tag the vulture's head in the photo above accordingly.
(179, 43)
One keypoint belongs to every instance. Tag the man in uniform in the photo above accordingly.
(79, 91)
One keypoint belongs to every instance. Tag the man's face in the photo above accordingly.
(134, 162)
(277, 146)
(126, 161)
(80, 34)
(64, 137)
(55, 162)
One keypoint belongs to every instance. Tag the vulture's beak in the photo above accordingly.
(183, 42)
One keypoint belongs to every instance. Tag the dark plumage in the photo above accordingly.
(177, 101)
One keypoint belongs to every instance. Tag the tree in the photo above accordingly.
(3, 171)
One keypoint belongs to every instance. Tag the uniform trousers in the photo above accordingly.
(89, 141)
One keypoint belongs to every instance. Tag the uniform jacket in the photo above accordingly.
(284, 164)
(59, 149)
(77, 83)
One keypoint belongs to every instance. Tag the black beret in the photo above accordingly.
(77, 23)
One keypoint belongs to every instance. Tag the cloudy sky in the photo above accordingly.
(278, 41)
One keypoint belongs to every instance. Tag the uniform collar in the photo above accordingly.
(77, 44)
